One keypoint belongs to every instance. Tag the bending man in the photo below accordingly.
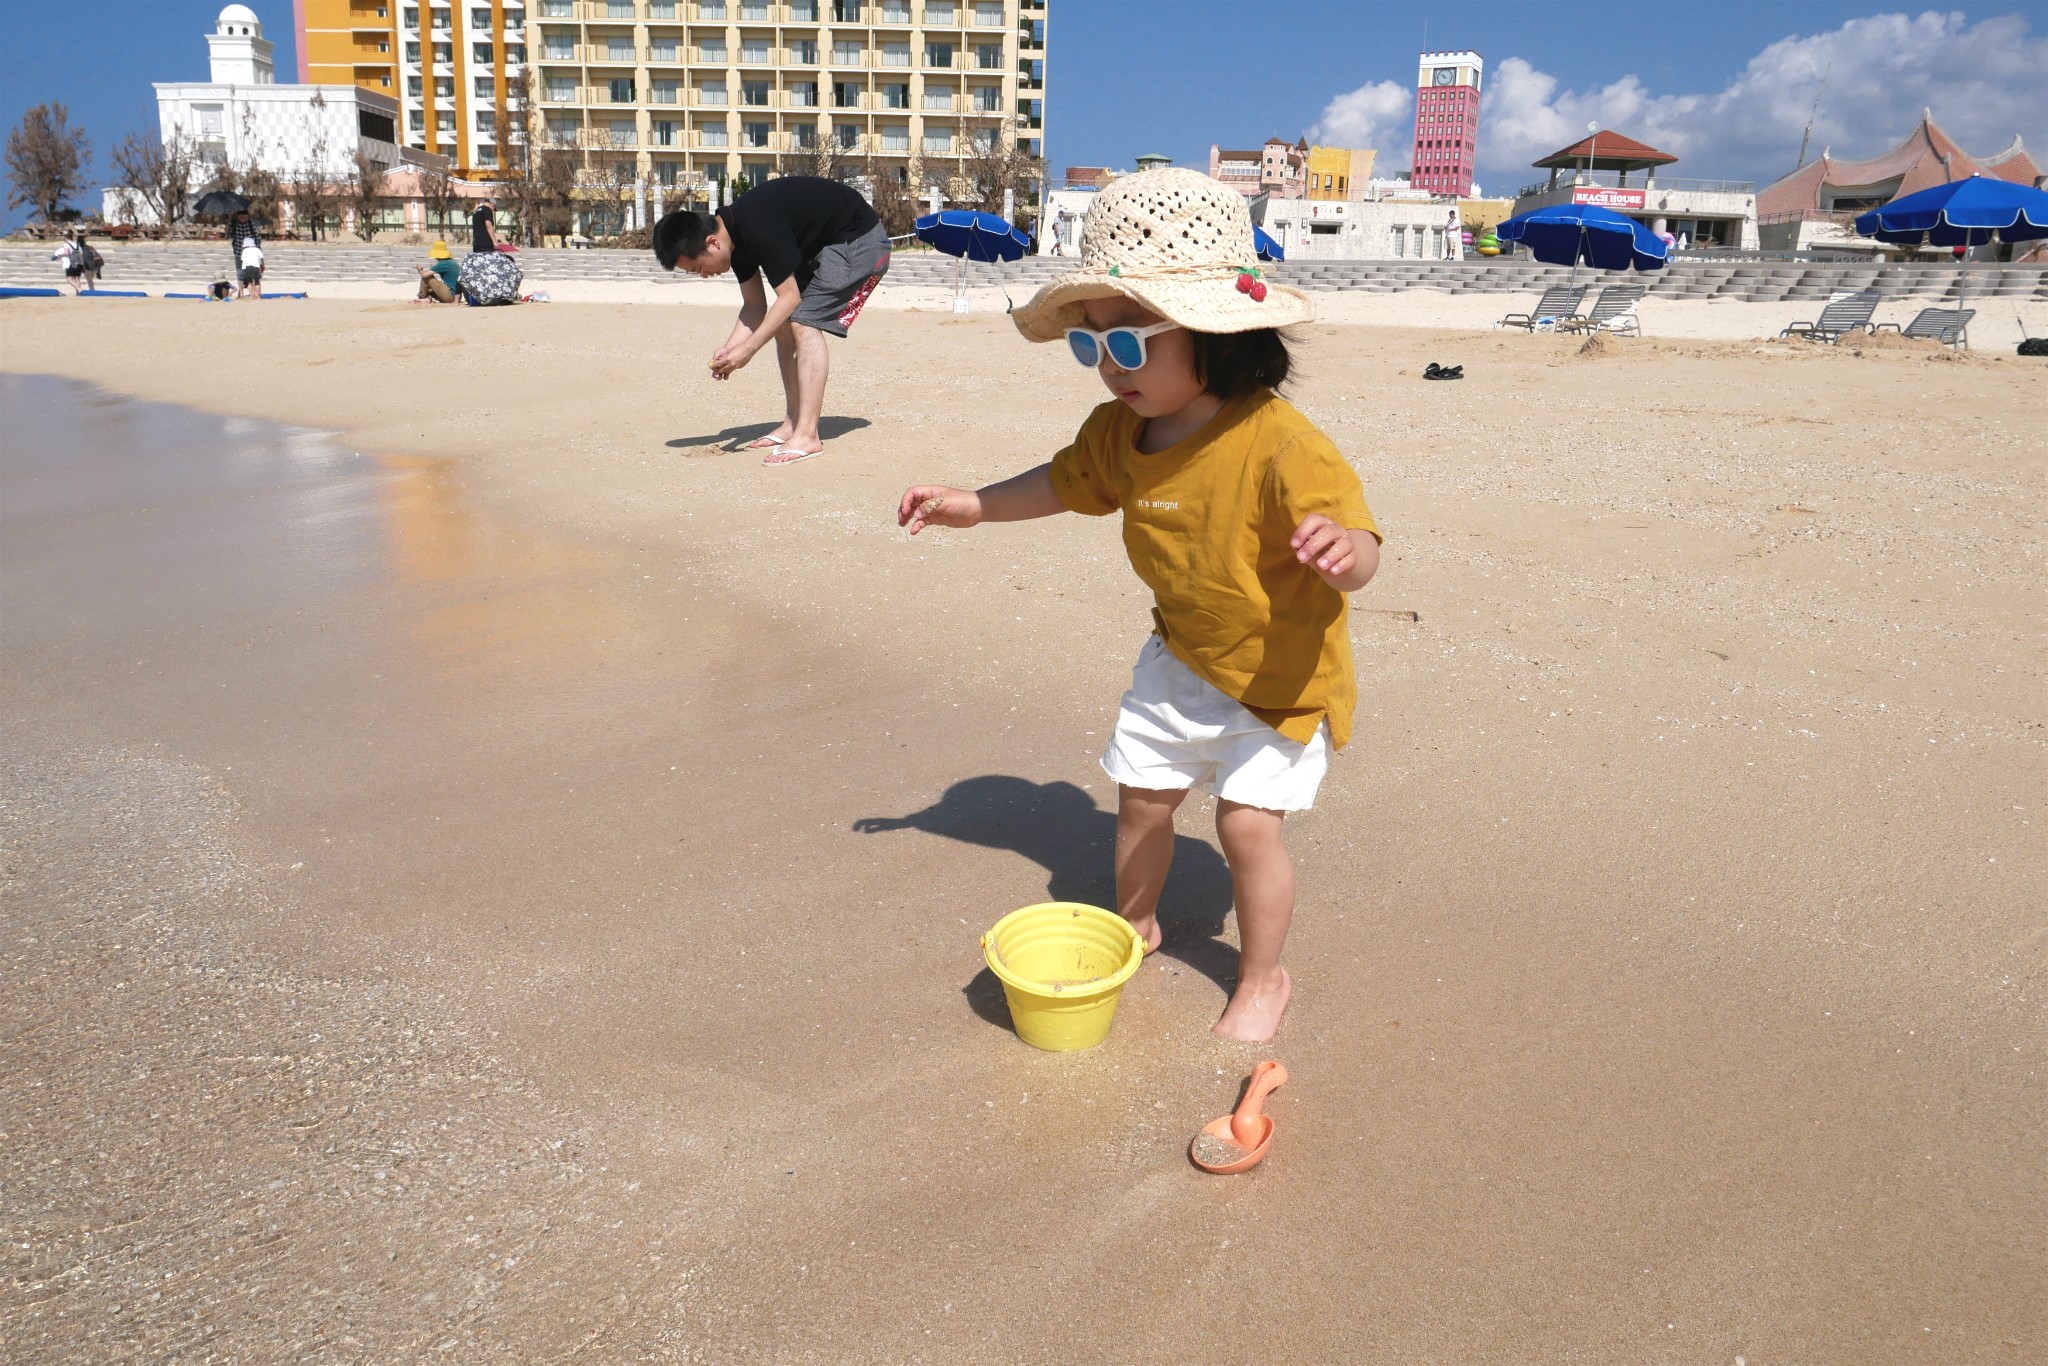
(821, 250)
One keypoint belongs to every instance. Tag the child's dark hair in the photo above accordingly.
(1232, 364)
(680, 234)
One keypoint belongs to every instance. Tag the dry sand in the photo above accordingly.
(514, 895)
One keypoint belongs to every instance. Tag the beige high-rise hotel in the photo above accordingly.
(694, 90)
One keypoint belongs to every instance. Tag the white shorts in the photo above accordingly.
(1175, 731)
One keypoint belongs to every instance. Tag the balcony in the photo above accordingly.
(605, 56)
(711, 100)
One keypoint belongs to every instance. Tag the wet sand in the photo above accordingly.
(621, 817)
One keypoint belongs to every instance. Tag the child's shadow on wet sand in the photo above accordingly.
(1059, 827)
(736, 438)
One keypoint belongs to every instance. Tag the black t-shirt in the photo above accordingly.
(479, 239)
(779, 227)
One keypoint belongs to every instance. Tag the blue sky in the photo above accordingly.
(1727, 87)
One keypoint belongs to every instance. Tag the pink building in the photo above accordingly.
(1280, 168)
(1446, 122)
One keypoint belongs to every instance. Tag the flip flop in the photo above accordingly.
(776, 460)
(761, 443)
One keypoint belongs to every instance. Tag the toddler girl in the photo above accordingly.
(1241, 517)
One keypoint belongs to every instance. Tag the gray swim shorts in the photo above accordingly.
(842, 277)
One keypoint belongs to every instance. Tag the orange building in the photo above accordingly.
(450, 64)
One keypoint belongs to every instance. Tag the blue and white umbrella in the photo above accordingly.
(1962, 213)
(1566, 234)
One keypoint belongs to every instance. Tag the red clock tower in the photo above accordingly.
(1446, 122)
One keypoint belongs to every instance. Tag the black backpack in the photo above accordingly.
(2034, 346)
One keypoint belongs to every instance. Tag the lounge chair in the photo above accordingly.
(1558, 303)
(1949, 326)
(1847, 312)
(1613, 311)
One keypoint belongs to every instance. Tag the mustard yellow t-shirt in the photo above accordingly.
(1207, 523)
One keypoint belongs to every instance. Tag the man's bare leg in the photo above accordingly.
(805, 366)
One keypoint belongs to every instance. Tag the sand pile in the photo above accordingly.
(1894, 341)
(1599, 345)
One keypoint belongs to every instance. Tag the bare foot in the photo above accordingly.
(1148, 930)
(1253, 1015)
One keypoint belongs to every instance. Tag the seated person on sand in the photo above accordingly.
(440, 278)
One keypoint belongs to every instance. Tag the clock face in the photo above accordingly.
(1446, 74)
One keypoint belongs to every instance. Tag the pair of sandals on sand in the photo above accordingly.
(1436, 371)
(780, 454)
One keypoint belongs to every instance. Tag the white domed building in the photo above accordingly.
(243, 117)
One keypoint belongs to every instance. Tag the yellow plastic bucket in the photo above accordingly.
(1062, 966)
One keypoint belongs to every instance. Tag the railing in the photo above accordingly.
(603, 55)
(1614, 179)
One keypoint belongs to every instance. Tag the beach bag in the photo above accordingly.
(93, 260)
(489, 277)
(2034, 346)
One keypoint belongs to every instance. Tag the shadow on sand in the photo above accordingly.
(1059, 827)
(736, 438)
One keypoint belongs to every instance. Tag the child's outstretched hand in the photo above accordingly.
(1332, 551)
(937, 505)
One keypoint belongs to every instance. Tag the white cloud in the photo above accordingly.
(1984, 81)
(1374, 115)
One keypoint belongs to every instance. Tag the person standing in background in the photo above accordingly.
(483, 227)
(241, 232)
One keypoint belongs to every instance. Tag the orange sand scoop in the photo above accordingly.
(1237, 1141)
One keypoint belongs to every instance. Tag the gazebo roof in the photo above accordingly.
(1605, 151)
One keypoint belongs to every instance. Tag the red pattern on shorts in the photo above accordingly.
(860, 296)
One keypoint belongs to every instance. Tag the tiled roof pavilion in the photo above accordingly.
(1927, 157)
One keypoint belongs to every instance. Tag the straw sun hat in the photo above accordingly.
(1177, 242)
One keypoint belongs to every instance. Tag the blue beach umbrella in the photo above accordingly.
(1962, 213)
(1268, 249)
(1566, 234)
(972, 235)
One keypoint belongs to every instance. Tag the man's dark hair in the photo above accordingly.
(1231, 364)
(680, 235)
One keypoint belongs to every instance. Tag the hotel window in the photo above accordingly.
(665, 171)
(803, 51)
(846, 52)
(445, 125)
(754, 135)
(938, 141)
(937, 98)
(846, 11)
(713, 136)
(561, 89)
(754, 93)
(486, 121)
(845, 95)
(896, 95)
(664, 133)
(803, 11)
(753, 11)
(938, 54)
(895, 11)
(661, 50)
(440, 19)
(987, 15)
(661, 9)
(621, 90)
(940, 14)
(803, 94)
(383, 44)
(487, 87)
(412, 53)
(988, 56)
(618, 9)
(711, 92)
(624, 134)
(711, 50)
(666, 92)
(619, 49)
(754, 51)
(414, 86)
(711, 9)
(846, 139)
(481, 19)
(444, 53)
(486, 155)
(515, 54)
(412, 18)
(481, 54)
(444, 87)
(803, 137)
(896, 139)
(558, 48)
(988, 99)
(895, 54)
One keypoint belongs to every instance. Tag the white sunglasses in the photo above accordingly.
(1123, 345)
